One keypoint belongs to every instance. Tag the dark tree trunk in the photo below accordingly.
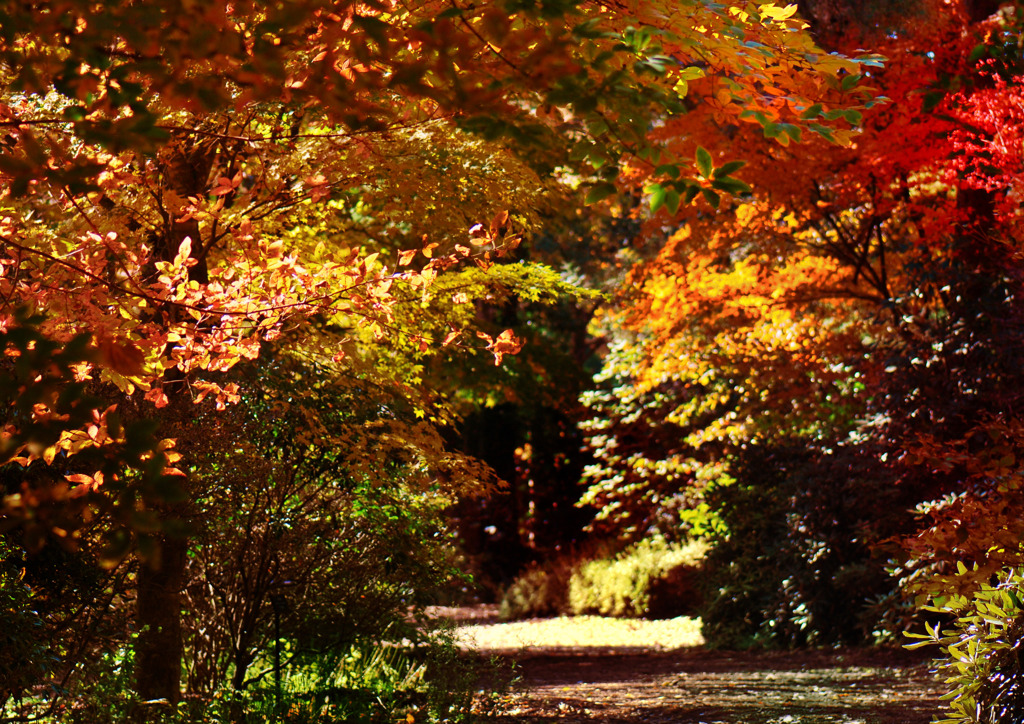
(836, 24)
(159, 647)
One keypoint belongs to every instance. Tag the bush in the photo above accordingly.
(536, 592)
(430, 680)
(652, 578)
(60, 616)
(796, 567)
(332, 550)
(982, 650)
(543, 588)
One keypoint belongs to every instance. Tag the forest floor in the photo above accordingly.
(606, 671)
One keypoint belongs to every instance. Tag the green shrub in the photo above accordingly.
(981, 661)
(429, 679)
(333, 553)
(652, 578)
(796, 566)
(536, 592)
(649, 578)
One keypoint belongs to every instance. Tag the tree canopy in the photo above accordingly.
(311, 225)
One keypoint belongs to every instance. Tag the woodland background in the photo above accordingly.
(316, 313)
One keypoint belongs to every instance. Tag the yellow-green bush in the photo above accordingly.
(536, 592)
(649, 578)
(542, 588)
(652, 579)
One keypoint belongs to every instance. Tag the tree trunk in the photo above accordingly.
(159, 648)
(838, 23)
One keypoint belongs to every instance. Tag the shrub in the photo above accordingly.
(543, 588)
(652, 578)
(648, 578)
(332, 551)
(536, 592)
(428, 679)
(982, 649)
(796, 566)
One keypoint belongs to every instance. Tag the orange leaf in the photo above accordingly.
(158, 397)
(122, 357)
(498, 222)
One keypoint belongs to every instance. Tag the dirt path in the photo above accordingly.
(711, 687)
(619, 685)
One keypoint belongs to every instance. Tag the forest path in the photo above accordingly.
(644, 683)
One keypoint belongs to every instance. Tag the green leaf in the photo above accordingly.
(704, 163)
(854, 118)
(657, 192)
(711, 197)
(599, 192)
(731, 186)
(668, 169)
(728, 169)
(589, 29)
(792, 131)
(918, 644)
(580, 151)
(823, 131)
(872, 61)
(812, 112)
(597, 126)
(850, 81)
(672, 201)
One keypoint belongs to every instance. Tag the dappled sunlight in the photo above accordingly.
(583, 632)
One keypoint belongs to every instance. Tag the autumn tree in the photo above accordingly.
(187, 182)
(860, 305)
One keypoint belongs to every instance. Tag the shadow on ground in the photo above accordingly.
(612, 686)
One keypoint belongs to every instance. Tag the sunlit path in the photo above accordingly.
(588, 669)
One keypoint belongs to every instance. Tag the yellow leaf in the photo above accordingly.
(776, 13)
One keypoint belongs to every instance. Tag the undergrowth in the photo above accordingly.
(652, 579)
